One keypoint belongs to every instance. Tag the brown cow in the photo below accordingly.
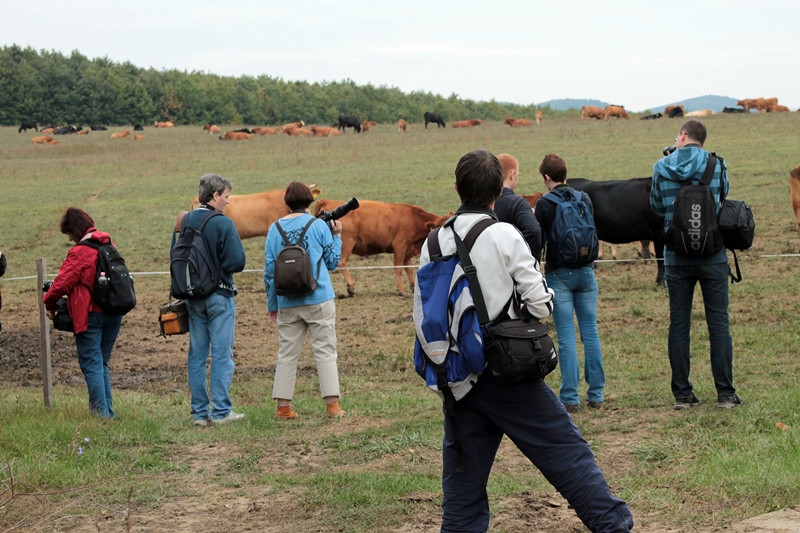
(44, 139)
(234, 136)
(615, 111)
(212, 128)
(264, 130)
(253, 214)
(367, 124)
(669, 108)
(794, 188)
(286, 128)
(378, 227)
(469, 123)
(532, 198)
(165, 124)
(539, 117)
(402, 125)
(591, 111)
(323, 131)
(518, 122)
(82, 132)
(120, 134)
(294, 132)
(137, 137)
(771, 108)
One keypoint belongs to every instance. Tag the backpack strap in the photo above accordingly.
(711, 166)
(464, 247)
(299, 239)
(557, 195)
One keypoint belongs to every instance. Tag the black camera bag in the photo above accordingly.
(516, 350)
(519, 350)
(61, 319)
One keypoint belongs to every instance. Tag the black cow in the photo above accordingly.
(675, 112)
(244, 130)
(622, 213)
(28, 125)
(349, 121)
(434, 117)
(64, 130)
(138, 127)
(732, 110)
(652, 117)
(98, 127)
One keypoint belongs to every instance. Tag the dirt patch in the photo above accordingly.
(144, 361)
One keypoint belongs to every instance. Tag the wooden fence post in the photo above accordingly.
(44, 334)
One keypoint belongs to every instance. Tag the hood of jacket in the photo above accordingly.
(683, 164)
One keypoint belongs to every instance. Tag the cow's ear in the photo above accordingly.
(315, 192)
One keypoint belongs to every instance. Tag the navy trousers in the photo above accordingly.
(536, 421)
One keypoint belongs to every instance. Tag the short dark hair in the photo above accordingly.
(479, 178)
(210, 184)
(298, 195)
(76, 222)
(695, 130)
(555, 167)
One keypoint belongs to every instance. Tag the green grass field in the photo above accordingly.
(378, 469)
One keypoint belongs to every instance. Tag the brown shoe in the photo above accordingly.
(572, 408)
(285, 411)
(334, 410)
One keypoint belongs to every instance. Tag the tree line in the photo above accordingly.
(54, 89)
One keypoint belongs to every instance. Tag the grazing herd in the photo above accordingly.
(622, 209)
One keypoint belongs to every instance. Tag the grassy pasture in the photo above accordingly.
(378, 469)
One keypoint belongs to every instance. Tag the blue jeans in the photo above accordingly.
(537, 423)
(576, 292)
(212, 322)
(94, 350)
(713, 280)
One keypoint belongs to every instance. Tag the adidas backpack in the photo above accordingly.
(194, 272)
(293, 273)
(572, 233)
(693, 231)
(113, 289)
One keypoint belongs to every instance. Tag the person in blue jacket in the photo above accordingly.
(212, 320)
(314, 312)
(686, 164)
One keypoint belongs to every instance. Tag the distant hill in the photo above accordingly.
(710, 101)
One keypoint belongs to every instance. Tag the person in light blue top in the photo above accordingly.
(314, 312)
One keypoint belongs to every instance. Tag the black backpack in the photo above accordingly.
(113, 288)
(693, 231)
(572, 233)
(293, 273)
(194, 272)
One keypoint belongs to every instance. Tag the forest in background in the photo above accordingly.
(54, 89)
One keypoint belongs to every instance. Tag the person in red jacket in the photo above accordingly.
(95, 331)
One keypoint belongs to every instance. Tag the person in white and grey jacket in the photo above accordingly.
(530, 414)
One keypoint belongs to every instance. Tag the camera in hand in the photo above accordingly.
(61, 319)
(668, 150)
(340, 211)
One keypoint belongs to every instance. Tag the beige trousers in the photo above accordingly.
(319, 321)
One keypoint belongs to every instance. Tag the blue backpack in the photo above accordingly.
(448, 350)
(572, 233)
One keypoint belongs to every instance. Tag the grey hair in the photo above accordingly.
(211, 183)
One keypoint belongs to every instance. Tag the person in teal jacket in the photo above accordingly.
(313, 313)
(686, 164)
(212, 319)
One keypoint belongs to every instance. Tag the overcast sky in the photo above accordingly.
(638, 53)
